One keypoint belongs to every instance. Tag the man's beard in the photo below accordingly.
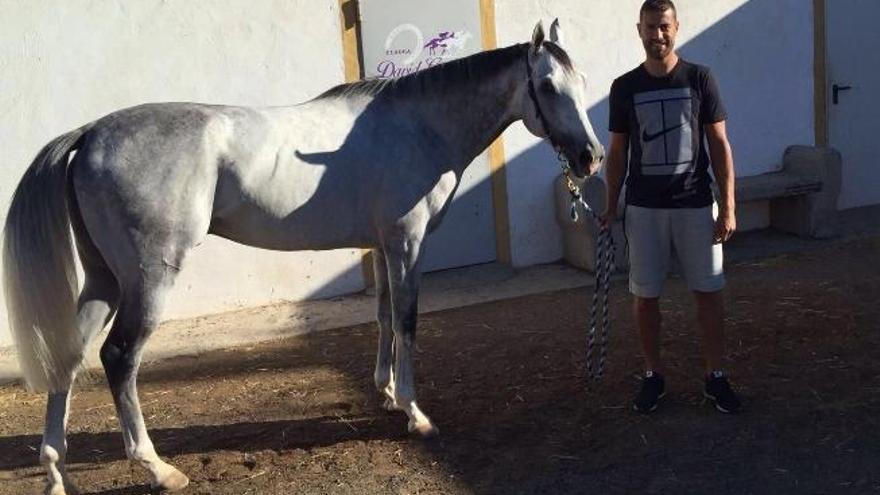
(658, 52)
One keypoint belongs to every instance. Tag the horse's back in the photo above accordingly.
(260, 176)
(322, 175)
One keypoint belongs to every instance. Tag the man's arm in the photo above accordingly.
(615, 171)
(722, 166)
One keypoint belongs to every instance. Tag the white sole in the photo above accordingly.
(713, 399)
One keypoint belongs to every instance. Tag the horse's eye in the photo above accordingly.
(546, 87)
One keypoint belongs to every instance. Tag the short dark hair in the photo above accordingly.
(657, 6)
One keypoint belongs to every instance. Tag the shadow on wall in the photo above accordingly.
(761, 55)
(537, 238)
(757, 55)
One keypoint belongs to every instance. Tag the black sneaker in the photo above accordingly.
(718, 390)
(653, 389)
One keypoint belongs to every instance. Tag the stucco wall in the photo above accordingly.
(761, 54)
(66, 63)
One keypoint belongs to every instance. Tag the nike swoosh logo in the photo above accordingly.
(650, 137)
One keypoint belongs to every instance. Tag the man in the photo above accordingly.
(662, 115)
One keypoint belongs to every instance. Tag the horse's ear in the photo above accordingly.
(537, 36)
(556, 33)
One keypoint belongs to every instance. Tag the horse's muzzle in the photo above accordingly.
(591, 158)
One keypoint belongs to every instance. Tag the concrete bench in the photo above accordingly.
(800, 199)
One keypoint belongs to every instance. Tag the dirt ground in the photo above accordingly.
(505, 383)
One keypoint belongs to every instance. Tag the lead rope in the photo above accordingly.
(604, 266)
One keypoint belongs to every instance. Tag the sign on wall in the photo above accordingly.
(402, 37)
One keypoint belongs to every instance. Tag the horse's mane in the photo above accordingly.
(477, 66)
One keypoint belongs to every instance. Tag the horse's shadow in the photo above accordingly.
(246, 437)
(323, 429)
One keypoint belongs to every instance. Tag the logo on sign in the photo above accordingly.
(407, 52)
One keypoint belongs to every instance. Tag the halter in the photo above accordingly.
(534, 98)
(604, 265)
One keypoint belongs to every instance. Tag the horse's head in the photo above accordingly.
(556, 104)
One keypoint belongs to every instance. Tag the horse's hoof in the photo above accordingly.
(424, 430)
(173, 481)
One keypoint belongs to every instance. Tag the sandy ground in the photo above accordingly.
(505, 382)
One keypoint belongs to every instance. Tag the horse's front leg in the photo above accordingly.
(382, 376)
(401, 258)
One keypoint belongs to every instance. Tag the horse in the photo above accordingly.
(371, 164)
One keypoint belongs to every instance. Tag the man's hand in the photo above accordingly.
(607, 217)
(722, 166)
(615, 171)
(725, 226)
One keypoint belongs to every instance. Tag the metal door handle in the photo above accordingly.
(835, 91)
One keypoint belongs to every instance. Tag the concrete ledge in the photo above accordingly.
(774, 185)
(800, 199)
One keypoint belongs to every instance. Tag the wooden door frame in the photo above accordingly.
(820, 73)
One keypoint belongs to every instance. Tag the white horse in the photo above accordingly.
(370, 164)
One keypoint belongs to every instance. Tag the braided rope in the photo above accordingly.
(608, 268)
(594, 306)
(603, 269)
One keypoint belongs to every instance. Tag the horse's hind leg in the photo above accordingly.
(383, 375)
(140, 307)
(97, 302)
(53, 451)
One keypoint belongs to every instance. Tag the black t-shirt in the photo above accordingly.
(664, 118)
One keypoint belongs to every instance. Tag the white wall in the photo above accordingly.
(66, 63)
(761, 54)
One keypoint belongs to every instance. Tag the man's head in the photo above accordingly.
(658, 26)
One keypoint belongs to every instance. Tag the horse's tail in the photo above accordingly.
(39, 273)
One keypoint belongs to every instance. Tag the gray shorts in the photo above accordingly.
(652, 233)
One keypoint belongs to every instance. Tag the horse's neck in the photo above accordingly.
(470, 115)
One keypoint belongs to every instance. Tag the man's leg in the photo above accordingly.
(648, 319)
(647, 316)
(647, 231)
(702, 261)
(710, 317)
